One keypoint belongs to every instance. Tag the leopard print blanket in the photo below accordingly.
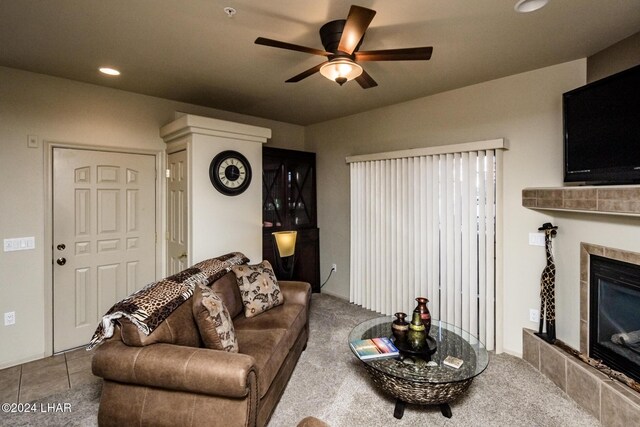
(151, 305)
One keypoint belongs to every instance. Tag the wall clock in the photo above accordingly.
(230, 173)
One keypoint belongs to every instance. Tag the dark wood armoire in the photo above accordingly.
(289, 203)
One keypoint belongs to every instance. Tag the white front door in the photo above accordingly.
(104, 224)
(177, 221)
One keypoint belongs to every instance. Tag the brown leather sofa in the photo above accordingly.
(168, 379)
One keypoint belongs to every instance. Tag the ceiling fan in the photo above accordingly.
(341, 40)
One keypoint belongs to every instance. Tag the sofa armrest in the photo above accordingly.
(174, 367)
(295, 292)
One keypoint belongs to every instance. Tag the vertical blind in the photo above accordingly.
(425, 226)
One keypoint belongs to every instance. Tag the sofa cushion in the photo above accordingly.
(179, 328)
(258, 287)
(213, 320)
(227, 288)
(148, 307)
(289, 317)
(269, 349)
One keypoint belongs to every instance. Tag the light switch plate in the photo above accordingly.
(536, 239)
(19, 244)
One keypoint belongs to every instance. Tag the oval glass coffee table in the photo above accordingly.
(425, 382)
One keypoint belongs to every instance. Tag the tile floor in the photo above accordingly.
(44, 377)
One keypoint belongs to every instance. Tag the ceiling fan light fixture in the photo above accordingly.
(525, 6)
(341, 70)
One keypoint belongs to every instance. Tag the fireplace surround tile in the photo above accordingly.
(580, 205)
(580, 194)
(620, 255)
(619, 206)
(593, 250)
(623, 194)
(584, 336)
(583, 386)
(610, 402)
(531, 348)
(554, 365)
(586, 250)
(623, 200)
(529, 202)
(584, 300)
(620, 406)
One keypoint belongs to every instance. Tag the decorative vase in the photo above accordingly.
(417, 335)
(423, 311)
(400, 327)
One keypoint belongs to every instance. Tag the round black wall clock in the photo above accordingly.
(230, 173)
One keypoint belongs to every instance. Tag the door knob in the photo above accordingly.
(61, 247)
(61, 261)
(184, 255)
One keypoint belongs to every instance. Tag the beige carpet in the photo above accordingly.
(331, 384)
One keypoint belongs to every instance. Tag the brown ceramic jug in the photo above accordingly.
(422, 309)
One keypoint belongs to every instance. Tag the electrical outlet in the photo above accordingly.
(534, 315)
(10, 318)
(334, 267)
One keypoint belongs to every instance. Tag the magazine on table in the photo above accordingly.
(374, 348)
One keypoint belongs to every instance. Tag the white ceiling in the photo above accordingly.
(189, 50)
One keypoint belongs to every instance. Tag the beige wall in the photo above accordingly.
(526, 109)
(65, 111)
(238, 219)
(620, 56)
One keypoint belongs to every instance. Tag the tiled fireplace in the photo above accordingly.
(608, 400)
(614, 314)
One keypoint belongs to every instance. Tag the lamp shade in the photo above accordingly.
(286, 241)
(341, 70)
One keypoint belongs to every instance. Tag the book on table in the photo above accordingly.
(374, 348)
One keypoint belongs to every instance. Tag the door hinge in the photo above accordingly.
(167, 173)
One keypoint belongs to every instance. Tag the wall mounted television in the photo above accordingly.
(602, 131)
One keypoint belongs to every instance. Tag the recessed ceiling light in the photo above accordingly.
(524, 6)
(109, 71)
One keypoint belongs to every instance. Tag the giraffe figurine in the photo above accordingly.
(548, 287)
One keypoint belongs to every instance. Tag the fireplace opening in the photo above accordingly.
(614, 315)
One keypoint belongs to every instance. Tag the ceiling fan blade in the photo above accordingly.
(289, 46)
(408, 54)
(365, 80)
(305, 74)
(357, 23)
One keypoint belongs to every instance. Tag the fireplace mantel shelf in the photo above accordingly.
(610, 200)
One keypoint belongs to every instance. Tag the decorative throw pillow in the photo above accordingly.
(213, 320)
(258, 287)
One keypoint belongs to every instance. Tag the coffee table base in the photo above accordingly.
(406, 391)
(398, 411)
